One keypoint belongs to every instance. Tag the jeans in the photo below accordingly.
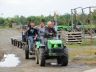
(30, 42)
(42, 39)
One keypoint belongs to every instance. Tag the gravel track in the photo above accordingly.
(30, 65)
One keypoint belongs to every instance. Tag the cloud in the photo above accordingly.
(10, 1)
(38, 7)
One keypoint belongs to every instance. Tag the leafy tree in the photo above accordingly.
(23, 20)
(2, 21)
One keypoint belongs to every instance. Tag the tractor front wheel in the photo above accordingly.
(63, 60)
(41, 57)
(36, 56)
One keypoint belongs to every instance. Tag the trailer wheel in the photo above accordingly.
(26, 53)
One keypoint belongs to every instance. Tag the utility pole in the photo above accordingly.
(74, 17)
(72, 20)
(55, 19)
(83, 31)
(91, 31)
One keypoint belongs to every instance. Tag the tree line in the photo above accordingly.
(61, 19)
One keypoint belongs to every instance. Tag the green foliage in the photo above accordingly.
(1, 21)
(35, 19)
(23, 20)
(64, 20)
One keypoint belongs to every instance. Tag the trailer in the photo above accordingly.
(17, 41)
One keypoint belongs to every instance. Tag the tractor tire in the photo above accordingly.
(41, 56)
(58, 60)
(27, 53)
(36, 56)
(64, 61)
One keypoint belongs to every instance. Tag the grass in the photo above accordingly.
(85, 52)
(4, 27)
(89, 42)
(85, 42)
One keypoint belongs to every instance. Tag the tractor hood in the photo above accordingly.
(55, 41)
(54, 44)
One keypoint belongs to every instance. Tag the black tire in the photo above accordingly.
(64, 58)
(64, 61)
(36, 56)
(41, 56)
(59, 60)
(12, 41)
(26, 53)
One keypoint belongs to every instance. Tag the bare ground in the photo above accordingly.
(30, 65)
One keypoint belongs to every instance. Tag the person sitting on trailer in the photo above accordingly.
(41, 30)
(32, 34)
(24, 28)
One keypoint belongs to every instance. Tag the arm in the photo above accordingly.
(46, 32)
(49, 33)
(36, 34)
(54, 32)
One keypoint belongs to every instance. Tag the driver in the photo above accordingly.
(49, 30)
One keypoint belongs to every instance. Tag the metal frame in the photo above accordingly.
(74, 12)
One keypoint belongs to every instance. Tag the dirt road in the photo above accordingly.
(30, 65)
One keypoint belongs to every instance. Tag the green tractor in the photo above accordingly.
(53, 49)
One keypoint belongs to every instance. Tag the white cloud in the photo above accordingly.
(38, 7)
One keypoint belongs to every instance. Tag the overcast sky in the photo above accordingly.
(9, 8)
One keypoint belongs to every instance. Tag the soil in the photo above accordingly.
(30, 65)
